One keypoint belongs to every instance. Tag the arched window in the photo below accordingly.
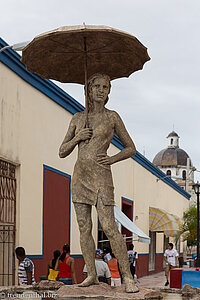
(184, 175)
(171, 141)
(168, 172)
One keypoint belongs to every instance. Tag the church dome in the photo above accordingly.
(171, 157)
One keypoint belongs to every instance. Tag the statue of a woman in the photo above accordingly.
(92, 182)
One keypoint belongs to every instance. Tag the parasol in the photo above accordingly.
(74, 53)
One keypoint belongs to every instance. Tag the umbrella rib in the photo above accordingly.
(74, 49)
(61, 52)
(74, 57)
(81, 52)
(90, 51)
(111, 43)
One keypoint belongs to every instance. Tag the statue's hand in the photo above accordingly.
(84, 134)
(104, 159)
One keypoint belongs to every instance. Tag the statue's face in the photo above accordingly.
(100, 90)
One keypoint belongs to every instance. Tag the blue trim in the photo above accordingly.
(131, 201)
(43, 213)
(12, 60)
(76, 255)
(143, 161)
(35, 256)
(142, 254)
(57, 171)
(160, 253)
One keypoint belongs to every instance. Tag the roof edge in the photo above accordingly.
(11, 59)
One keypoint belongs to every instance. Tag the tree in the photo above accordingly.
(189, 228)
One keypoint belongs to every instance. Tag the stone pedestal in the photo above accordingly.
(105, 292)
(49, 290)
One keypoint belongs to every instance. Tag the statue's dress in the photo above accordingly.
(91, 179)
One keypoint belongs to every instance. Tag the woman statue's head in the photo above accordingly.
(94, 80)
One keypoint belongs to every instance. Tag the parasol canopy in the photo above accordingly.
(66, 53)
(162, 221)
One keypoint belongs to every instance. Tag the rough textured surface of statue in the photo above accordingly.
(92, 182)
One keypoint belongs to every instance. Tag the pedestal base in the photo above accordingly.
(103, 291)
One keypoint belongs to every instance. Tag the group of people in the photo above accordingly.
(61, 267)
(107, 266)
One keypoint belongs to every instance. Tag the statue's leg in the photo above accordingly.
(83, 215)
(109, 226)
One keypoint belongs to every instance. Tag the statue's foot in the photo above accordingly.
(130, 286)
(90, 280)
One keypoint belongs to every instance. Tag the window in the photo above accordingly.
(171, 141)
(168, 172)
(184, 175)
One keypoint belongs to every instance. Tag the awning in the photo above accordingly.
(128, 224)
(160, 220)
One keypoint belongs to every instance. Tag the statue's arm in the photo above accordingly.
(129, 147)
(71, 139)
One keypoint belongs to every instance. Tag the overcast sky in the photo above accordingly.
(165, 93)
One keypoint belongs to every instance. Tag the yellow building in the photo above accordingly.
(36, 210)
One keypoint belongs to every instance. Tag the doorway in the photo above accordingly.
(127, 209)
(7, 223)
(152, 250)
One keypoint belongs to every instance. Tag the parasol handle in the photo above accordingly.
(86, 84)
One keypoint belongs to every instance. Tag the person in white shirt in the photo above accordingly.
(102, 269)
(132, 258)
(171, 259)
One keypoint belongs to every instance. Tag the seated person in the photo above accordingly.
(103, 272)
(25, 269)
(115, 271)
(52, 272)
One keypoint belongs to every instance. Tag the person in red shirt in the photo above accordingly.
(66, 267)
(114, 271)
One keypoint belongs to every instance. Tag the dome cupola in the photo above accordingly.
(173, 140)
